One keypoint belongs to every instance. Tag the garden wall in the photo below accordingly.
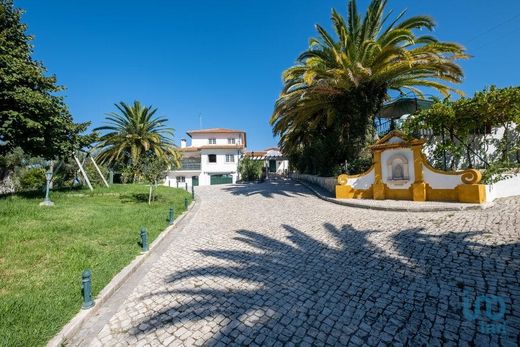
(504, 188)
(328, 183)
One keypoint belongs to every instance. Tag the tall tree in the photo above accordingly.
(342, 81)
(133, 134)
(32, 116)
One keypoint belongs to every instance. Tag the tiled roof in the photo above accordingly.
(214, 130)
(194, 149)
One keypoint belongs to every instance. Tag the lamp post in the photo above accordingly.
(47, 201)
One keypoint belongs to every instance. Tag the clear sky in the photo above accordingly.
(223, 59)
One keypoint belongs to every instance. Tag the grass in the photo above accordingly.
(43, 251)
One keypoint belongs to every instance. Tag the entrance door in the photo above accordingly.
(272, 165)
(221, 179)
(195, 181)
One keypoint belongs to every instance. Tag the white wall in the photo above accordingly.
(221, 166)
(441, 181)
(504, 188)
(386, 176)
(363, 182)
(282, 166)
(198, 140)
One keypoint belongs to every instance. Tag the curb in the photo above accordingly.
(395, 208)
(72, 327)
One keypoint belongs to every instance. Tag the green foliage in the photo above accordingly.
(134, 132)
(340, 82)
(459, 130)
(10, 161)
(153, 169)
(249, 169)
(360, 165)
(31, 178)
(44, 250)
(32, 116)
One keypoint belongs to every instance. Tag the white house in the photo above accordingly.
(274, 161)
(212, 158)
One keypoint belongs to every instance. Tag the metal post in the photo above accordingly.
(144, 240)
(185, 203)
(86, 289)
(48, 177)
(193, 192)
(85, 177)
(186, 186)
(171, 215)
(99, 171)
(177, 184)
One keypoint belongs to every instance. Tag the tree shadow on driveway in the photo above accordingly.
(268, 189)
(348, 291)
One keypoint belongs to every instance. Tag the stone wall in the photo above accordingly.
(7, 185)
(328, 183)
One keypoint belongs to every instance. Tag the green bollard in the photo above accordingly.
(192, 192)
(171, 215)
(186, 203)
(86, 289)
(144, 240)
(186, 186)
(177, 184)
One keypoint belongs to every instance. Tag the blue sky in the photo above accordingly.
(223, 59)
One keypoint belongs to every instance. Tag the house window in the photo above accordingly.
(181, 179)
(230, 158)
(212, 158)
(212, 141)
(231, 141)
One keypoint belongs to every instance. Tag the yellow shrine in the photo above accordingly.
(400, 171)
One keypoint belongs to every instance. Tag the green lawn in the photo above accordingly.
(44, 250)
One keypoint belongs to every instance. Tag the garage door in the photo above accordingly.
(221, 179)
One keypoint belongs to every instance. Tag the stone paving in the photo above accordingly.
(270, 264)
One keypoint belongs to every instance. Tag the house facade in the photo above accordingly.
(212, 158)
(274, 162)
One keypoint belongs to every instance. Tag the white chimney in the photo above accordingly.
(183, 143)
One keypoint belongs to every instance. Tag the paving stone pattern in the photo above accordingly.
(271, 264)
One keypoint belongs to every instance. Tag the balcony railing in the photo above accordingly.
(189, 165)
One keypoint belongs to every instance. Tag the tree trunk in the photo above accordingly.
(150, 196)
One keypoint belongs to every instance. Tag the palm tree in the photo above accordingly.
(134, 133)
(343, 80)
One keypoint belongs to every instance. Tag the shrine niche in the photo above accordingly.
(400, 171)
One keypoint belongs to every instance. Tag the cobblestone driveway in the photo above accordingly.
(270, 264)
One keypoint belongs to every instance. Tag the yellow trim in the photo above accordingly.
(417, 164)
(342, 180)
(468, 176)
(347, 192)
(377, 166)
(469, 191)
(363, 173)
(431, 168)
(393, 133)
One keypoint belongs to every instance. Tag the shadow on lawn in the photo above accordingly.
(307, 289)
(40, 193)
(268, 189)
(139, 197)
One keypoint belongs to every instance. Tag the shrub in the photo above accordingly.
(31, 178)
(249, 169)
